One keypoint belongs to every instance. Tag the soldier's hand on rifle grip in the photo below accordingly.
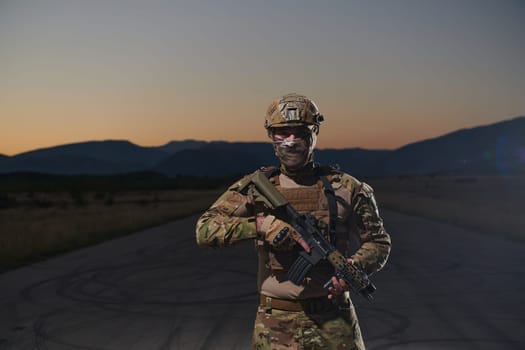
(338, 286)
(278, 233)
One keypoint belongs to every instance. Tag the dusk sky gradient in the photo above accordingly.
(383, 73)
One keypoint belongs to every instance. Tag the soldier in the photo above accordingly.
(306, 316)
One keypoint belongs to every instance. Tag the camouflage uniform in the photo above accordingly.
(321, 323)
(294, 316)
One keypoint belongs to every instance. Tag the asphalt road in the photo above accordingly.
(443, 288)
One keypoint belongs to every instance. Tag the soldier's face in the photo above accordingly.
(294, 146)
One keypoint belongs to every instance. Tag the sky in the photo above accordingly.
(383, 73)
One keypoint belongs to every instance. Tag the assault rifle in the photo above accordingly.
(320, 248)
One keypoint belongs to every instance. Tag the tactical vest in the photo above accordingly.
(305, 199)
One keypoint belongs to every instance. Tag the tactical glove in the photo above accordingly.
(278, 233)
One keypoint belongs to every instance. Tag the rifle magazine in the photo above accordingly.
(298, 270)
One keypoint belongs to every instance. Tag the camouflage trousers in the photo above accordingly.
(323, 327)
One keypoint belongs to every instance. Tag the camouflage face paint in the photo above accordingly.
(294, 153)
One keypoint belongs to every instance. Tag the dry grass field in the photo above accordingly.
(493, 205)
(35, 225)
(46, 223)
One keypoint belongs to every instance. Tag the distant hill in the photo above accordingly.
(93, 157)
(176, 146)
(493, 149)
(110, 151)
(485, 150)
(219, 159)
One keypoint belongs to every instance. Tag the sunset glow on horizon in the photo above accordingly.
(384, 74)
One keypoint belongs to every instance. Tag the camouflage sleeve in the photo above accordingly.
(228, 220)
(375, 241)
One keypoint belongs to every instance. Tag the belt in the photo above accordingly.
(269, 303)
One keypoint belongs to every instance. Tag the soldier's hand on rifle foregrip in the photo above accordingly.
(338, 286)
(278, 233)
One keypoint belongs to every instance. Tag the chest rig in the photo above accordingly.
(318, 200)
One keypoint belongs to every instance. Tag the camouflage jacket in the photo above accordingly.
(360, 231)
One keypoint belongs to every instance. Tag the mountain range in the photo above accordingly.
(495, 149)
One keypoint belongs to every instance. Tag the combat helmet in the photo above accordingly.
(293, 110)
